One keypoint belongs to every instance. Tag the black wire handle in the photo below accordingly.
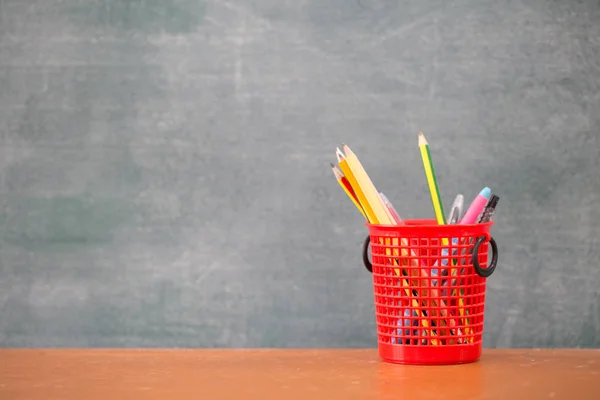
(365, 250)
(483, 272)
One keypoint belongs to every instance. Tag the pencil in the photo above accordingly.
(363, 186)
(339, 176)
(431, 179)
(437, 202)
(376, 212)
(434, 291)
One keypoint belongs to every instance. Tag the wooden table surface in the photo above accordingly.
(292, 374)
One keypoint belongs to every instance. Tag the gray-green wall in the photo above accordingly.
(164, 164)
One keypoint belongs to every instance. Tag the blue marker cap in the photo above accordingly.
(486, 192)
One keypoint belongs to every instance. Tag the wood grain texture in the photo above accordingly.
(292, 374)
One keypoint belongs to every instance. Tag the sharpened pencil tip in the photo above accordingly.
(347, 149)
(332, 166)
(422, 139)
(336, 172)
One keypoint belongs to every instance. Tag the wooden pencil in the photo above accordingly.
(376, 211)
(438, 207)
(345, 185)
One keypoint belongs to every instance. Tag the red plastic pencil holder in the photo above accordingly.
(429, 286)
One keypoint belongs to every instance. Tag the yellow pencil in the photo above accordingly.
(376, 212)
(357, 187)
(431, 181)
(366, 189)
(437, 206)
(339, 176)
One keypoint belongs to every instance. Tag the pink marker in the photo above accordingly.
(476, 207)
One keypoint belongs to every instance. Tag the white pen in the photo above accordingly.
(456, 210)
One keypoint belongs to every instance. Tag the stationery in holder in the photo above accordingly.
(427, 273)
